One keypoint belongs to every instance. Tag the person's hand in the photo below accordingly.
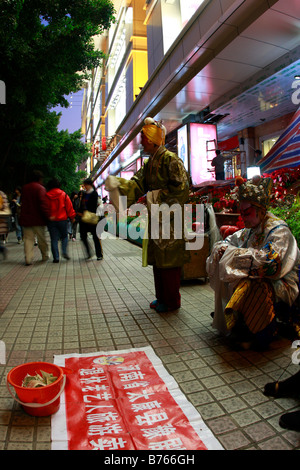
(221, 251)
(51, 218)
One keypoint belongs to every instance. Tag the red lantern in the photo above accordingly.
(103, 143)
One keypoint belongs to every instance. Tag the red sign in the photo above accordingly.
(124, 401)
(229, 144)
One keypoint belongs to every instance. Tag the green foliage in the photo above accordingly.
(46, 52)
(290, 213)
(56, 154)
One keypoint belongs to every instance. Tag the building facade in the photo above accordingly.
(218, 73)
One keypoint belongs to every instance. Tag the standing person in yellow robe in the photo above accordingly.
(163, 179)
(253, 269)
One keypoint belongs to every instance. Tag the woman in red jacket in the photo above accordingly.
(61, 208)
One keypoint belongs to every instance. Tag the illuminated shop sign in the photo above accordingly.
(182, 145)
(203, 142)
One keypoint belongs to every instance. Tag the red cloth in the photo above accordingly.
(167, 285)
(34, 208)
(60, 204)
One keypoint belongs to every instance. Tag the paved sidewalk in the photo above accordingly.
(87, 306)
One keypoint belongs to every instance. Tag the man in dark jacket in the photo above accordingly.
(35, 213)
(90, 203)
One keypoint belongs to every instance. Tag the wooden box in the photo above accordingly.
(196, 267)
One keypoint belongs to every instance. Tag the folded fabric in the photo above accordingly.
(111, 183)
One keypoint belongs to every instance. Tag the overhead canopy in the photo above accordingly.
(286, 152)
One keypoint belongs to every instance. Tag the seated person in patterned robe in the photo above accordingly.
(253, 270)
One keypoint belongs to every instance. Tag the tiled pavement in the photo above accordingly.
(86, 306)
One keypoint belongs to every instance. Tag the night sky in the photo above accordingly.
(71, 116)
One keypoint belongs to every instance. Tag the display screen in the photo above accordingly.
(203, 142)
(182, 145)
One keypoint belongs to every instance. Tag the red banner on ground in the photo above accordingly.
(125, 400)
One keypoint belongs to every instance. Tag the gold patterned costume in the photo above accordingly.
(258, 268)
(164, 180)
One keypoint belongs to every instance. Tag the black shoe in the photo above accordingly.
(288, 388)
(99, 258)
(56, 261)
(290, 421)
(276, 390)
(66, 256)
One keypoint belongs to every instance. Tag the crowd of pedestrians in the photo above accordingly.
(35, 208)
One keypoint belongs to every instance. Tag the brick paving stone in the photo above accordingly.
(222, 425)
(234, 440)
(79, 306)
(276, 443)
(245, 417)
(259, 431)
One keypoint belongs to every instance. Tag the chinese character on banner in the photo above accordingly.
(126, 402)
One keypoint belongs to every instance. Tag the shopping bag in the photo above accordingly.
(90, 218)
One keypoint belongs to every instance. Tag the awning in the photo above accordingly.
(285, 153)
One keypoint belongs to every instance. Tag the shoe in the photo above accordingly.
(73, 239)
(272, 390)
(28, 264)
(99, 258)
(161, 308)
(45, 259)
(56, 261)
(288, 388)
(154, 304)
(290, 421)
(4, 253)
(19, 241)
(66, 256)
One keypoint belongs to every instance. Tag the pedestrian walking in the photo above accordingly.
(16, 211)
(76, 204)
(61, 210)
(4, 216)
(34, 216)
(89, 203)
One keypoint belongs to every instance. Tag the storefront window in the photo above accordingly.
(268, 144)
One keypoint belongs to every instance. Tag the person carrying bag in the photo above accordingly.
(89, 219)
